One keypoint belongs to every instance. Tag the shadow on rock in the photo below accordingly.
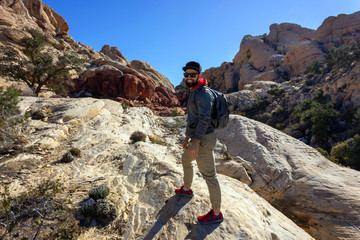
(200, 231)
(171, 208)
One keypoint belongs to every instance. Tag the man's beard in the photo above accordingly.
(192, 84)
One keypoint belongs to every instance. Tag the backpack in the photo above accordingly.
(220, 114)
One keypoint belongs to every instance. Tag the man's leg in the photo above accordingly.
(188, 169)
(206, 165)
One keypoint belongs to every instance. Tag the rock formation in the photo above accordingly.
(32, 14)
(338, 30)
(141, 176)
(109, 74)
(317, 194)
(288, 49)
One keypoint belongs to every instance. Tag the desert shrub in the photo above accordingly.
(259, 106)
(175, 113)
(75, 152)
(137, 136)
(226, 154)
(67, 158)
(88, 207)
(276, 92)
(125, 105)
(319, 113)
(342, 57)
(106, 210)
(323, 152)
(37, 213)
(99, 192)
(347, 153)
(98, 210)
(263, 117)
(280, 126)
(314, 68)
(10, 123)
(283, 76)
(157, 140)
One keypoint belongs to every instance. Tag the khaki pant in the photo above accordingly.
(206, 165)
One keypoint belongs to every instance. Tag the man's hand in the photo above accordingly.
(194, 148)
(185, 143)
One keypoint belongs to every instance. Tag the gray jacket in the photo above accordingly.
(199, 110)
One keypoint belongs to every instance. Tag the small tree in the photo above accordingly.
(342, 57)
(39, 70)
(347, 153)
(319, 112)
(10, 123)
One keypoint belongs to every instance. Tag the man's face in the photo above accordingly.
(191, 77)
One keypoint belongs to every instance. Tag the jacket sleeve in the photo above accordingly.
(204, 101)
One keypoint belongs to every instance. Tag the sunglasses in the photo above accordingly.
(190, 74)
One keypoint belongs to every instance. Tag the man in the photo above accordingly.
(200, 141)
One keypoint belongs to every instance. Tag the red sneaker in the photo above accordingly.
(181, 192)
(210, 217)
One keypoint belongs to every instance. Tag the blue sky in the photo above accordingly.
(167, 34)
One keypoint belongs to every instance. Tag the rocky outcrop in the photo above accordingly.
(141, 176)
(32, 14)
(224, 78)
(341, 29)
(114, 54)
(288, 49)
(109, 74)
(255, 51)
(301, 55)
(349, 83)
(286, 33)
(123, 83)
(317, 194)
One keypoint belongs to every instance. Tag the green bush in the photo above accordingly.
(75, 152)
(264, 117)
(342, 57)
(314, 68)
(175, 113)
(319, 112)
(259, 106)
(323, 152)
(277, 92)
(137, 136)
(10, 123)
(157, 140)
(99, 192)
(347, 153)
(37, 214)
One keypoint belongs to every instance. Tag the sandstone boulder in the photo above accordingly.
(282, 34)
(343, 28)
(274, 61)
(261, 77)
(318, 195)
(111, 82)
(224, 78)
(349, 85)
(159, 79)
(301, 54)
(255, 51)
(246, 72)
(240, 100)
(114, 54)
(32, 13)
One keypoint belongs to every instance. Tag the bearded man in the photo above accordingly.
(200, 141)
